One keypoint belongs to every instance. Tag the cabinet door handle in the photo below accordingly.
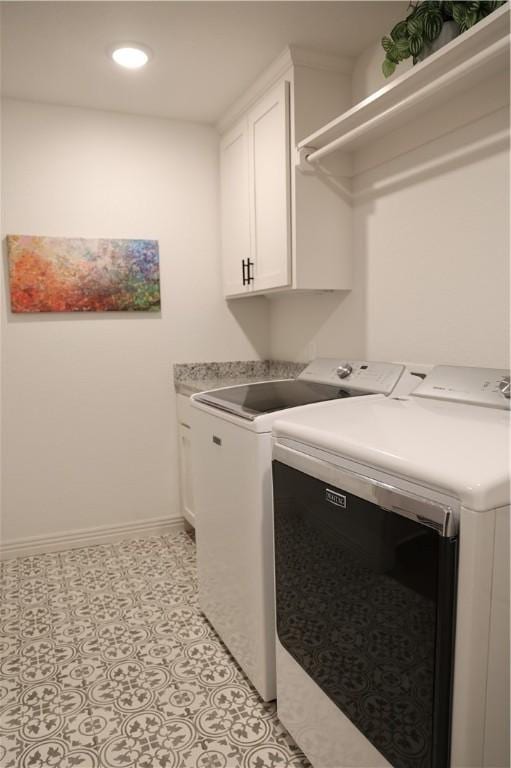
(250, 278)
(243, 268)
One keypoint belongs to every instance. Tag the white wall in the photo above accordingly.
(431, 242)
(367, 76)
(89, 424)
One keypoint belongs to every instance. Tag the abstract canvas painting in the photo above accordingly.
(58, 274)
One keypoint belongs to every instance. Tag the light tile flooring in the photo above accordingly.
(107, 662)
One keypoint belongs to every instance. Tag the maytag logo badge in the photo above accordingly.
(334, 497)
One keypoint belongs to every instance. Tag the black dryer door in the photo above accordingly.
(366, 606)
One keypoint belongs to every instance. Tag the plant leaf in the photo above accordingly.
(388, 67)
(472, 18)
(485, 9)
(459, 14)
(392, 51)
(415, 25)
(403, 48)
(433, 19)
(416, 44)
(399, 31)
(488, 6)
(422, 9)
(387, 44)
(464, 17)
(447, 9)
(433, 24)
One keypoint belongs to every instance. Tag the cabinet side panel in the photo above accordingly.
(183, 409)
(477, 532)
(496, 735)
(323, 224)
(233, 525)
(322, 213)
(185, 466)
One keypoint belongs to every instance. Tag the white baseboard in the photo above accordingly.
(84, 537)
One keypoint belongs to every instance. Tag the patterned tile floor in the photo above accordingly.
(107, 662)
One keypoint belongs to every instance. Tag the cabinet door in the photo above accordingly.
(269, 183)
(235, 219)
(185, 459)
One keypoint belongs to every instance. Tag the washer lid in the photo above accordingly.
(459, 449)
(252, 400)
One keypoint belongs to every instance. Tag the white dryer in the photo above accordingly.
(233, 496)
(392, 576)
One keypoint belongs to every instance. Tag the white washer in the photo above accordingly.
(392, 576)
(233, 497)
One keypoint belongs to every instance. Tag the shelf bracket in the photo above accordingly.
(340, 165)
(303, 164)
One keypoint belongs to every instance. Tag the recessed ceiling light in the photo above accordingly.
(131, 55)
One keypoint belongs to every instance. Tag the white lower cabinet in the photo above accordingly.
(282, 229)
(185, 459)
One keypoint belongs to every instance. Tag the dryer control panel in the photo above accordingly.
(354, 375)
(477, 386)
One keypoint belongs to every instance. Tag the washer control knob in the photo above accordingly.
(504, 386)
(345, 369)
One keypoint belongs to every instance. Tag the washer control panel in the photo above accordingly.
(477, 386)
(354, 375)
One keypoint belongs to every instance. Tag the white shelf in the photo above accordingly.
(467, 60)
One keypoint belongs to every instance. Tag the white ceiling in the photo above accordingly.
(205, 53)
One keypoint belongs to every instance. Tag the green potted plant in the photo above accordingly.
(430, 24)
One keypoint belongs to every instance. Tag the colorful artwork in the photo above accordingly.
(58, 274)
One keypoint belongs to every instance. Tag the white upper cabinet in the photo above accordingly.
(282, 229)
(234, 205)
(269, 186)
